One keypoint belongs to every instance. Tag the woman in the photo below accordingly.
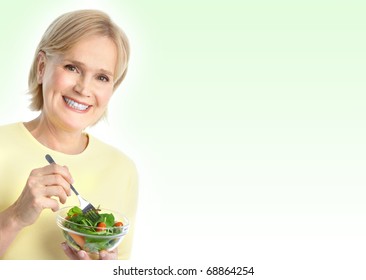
(80, 61)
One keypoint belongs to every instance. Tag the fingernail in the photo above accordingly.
(81, 254)
(102, 255)
(63, 246)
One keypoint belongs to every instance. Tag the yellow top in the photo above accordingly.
(102, 174)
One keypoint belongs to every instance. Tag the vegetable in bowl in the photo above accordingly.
(83, 234)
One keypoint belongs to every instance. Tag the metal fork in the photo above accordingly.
(88, 209)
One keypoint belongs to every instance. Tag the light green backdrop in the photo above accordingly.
(246, 120)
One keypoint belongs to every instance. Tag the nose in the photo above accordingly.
(82, 86)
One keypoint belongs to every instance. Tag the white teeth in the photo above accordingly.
(75, 105)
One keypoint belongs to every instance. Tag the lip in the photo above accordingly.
(77, 101)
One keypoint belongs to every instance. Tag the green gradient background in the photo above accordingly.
(246, 121)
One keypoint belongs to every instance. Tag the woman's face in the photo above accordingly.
(78, 84)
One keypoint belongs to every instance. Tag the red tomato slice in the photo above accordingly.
(118, 224)
(101, 226)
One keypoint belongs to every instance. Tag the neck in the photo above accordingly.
(58, 139)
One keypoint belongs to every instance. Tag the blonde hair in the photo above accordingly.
(66, 31)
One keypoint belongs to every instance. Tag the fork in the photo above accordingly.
(88, 209)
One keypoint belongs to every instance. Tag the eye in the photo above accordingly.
(103, 78)
(71, 68)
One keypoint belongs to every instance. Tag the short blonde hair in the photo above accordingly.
(67, 30)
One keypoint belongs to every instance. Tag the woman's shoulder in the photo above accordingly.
(10, 126)
(10, 129)
(107, 151)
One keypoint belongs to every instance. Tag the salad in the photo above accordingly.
(82, 233)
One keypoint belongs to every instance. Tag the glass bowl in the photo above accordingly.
(92, 239)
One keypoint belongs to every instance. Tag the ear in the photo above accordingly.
(41, 65)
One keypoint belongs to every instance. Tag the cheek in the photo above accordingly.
(103, 97)
(57, 81)
(63, 81)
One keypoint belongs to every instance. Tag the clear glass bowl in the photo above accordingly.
(91, 243)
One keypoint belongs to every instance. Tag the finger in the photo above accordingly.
(54, 169)
(108, 255)
(63, 171)
(83, 255)
(56, 180)
(74, 254)
(68, 251)
(58, 191)
(48, 203)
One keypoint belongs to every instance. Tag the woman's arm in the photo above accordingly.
(41, 188)
(9, 228)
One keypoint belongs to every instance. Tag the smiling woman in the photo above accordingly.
(78, 84)
(79, 63)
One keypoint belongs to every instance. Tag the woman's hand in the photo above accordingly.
(42, 187)
(82, 255)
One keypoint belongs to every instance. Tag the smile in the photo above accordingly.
(73, 104)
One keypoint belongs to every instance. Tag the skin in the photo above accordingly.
(82, 255)
(83, 74)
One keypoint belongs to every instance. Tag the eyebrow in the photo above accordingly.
(83, 65)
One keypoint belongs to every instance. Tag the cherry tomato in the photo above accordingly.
(118, 224)
(101, 226)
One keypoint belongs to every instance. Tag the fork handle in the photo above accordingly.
(51, 161)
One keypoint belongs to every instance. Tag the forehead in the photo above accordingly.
(95, 52)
